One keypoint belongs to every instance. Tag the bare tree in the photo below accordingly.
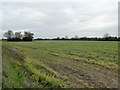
(9, 34)
(66, 37)
(106, 35)
(76, 37)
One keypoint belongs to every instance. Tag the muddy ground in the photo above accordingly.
(81, 74)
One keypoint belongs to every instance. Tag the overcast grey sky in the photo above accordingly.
(90, 18)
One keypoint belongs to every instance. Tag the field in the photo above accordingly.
(60, 64)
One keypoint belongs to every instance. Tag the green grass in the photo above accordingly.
(98, 51)
(23, 61)
(20, 71)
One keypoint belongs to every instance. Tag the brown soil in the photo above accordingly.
(81, 74)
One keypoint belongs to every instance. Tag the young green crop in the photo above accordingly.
(33, 61)
(100, 51)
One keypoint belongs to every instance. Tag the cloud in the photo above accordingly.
(48, 20)
(100, 22)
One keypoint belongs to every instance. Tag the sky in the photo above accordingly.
(91, 18)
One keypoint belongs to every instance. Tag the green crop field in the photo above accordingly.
(60, 64)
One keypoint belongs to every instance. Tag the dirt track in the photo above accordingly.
(81, 74)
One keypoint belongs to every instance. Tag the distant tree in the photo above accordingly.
(39, 39)
(83, 38)
(9, 34)
(58, 38)
(18, 36)
(76, 37)
(28, 36)
(106, 35)
(118, 38)
(62, 38)
(66, 37)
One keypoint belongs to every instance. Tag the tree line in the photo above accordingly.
(28, 36)
(18, 36)
(106, 37)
